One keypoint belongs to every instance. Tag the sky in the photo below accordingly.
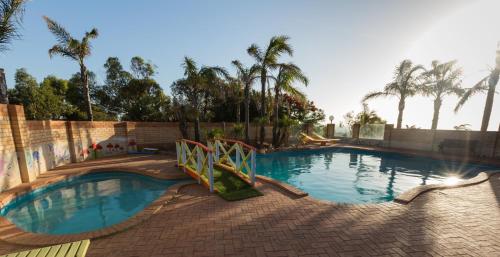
(346, 48)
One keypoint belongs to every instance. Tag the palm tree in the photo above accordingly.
(76, 50)
(443, 79)
(405, 85)
(288, 73)
(246, 76)
(487, 84)
(11, 12)
(197, 82)
(266, 60)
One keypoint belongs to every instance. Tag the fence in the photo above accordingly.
(237, 156)
(342, 131)
(198, 160)
(372, 131)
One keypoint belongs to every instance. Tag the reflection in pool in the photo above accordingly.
(356, 176)
(84, 203)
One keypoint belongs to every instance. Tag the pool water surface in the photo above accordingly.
(356, 176)
(84, 203)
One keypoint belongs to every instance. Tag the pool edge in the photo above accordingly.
(411, 194)
(11, 233)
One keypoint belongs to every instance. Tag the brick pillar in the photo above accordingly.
(73, 149)
(388, 134)
(130, 128)
(330, 130)
(21, 140)
(355, 131)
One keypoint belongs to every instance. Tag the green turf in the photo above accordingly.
(231, 187)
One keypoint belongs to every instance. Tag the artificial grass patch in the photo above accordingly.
(232, 188)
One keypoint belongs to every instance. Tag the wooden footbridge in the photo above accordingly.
(199, 161)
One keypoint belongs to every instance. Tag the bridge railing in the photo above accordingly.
(237, 156)
(196, 160)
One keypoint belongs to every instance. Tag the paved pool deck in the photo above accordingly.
(450, 222)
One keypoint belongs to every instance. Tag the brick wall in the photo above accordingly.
(10, 174)
(487, 143)
(30, 148)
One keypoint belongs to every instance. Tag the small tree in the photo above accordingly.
(441, 80)
(405, 85)
(77, 50)
(192, 89)
(246, 76)
(266, 61)
(488, 85)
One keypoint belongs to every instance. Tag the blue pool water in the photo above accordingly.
(84, 203)
(355, 176)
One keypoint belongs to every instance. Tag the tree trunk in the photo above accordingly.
(263, 107)
(401, 108)
(197, 137)
(276, 118)
(247, 113)
(435, 118)
(238, 112)
(492, 82)
(4, 97)
(183, 124)
(86, 92)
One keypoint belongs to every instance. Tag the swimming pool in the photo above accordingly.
(355, 176)
(84, 203)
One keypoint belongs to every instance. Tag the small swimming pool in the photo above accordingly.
(84, 203)
(355, 176)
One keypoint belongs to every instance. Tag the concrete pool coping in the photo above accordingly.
(10, 233)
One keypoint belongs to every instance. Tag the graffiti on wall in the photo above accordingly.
(62, 155)
(36, 161)
(7, 169)
(102, 148)
(29, 159)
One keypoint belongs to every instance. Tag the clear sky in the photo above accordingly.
(346, 48)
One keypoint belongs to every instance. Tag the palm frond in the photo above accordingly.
(373, 95)
(63, 51)
(294, 92)
(11, 13)
(479, 87)
(189, 66)
(62, 36)
(255, 52)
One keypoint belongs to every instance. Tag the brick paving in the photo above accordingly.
(451, 222)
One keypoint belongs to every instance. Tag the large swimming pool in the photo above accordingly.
(357, 176)
(84, 203)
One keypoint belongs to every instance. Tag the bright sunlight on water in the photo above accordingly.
(354, 176)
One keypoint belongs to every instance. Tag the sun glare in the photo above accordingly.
(450, 181)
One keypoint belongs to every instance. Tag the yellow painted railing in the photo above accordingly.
(196, 160)
(237, 156)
